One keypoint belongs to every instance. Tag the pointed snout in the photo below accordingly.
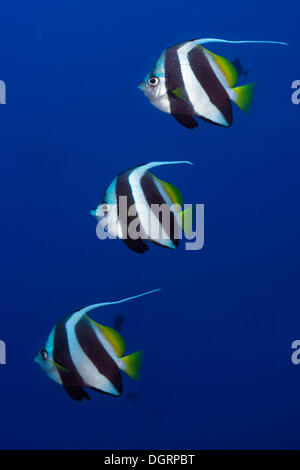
(93, 212)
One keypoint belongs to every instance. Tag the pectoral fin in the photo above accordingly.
(60, 367)
(180, 93)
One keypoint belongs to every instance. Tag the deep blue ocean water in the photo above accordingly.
(217, 369)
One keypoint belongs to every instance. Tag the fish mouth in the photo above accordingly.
(141, 86)
(98, 214)
(94, 212)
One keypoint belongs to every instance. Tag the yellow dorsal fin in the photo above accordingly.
(227, 68)
(113, 337)
(173, 192)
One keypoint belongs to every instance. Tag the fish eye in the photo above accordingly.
(44, 354)
(105, 208)
(153, 81)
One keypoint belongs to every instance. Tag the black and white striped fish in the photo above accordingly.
(157, 214)
(188, 80)
(81, 353)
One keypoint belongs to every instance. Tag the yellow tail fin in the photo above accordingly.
(133, 364)
(244, 96)
(187, 220)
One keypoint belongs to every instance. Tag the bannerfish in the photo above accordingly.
(149, 197)
(188, 80)
(239, 68)
(82, 353)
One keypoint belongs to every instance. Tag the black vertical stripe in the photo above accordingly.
(153, 196)
(210, 83)
(62, 357)
(97, 354)
(123, 189)
(174, 81)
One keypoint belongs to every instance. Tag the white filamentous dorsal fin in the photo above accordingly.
(140, 170)
(209, 40)
(87, 309)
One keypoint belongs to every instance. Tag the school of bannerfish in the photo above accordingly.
(187, 82)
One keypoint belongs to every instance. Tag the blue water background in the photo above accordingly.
(217, 369)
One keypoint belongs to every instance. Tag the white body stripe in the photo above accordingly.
(85, 368)
(196, 94)
(147, 219)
